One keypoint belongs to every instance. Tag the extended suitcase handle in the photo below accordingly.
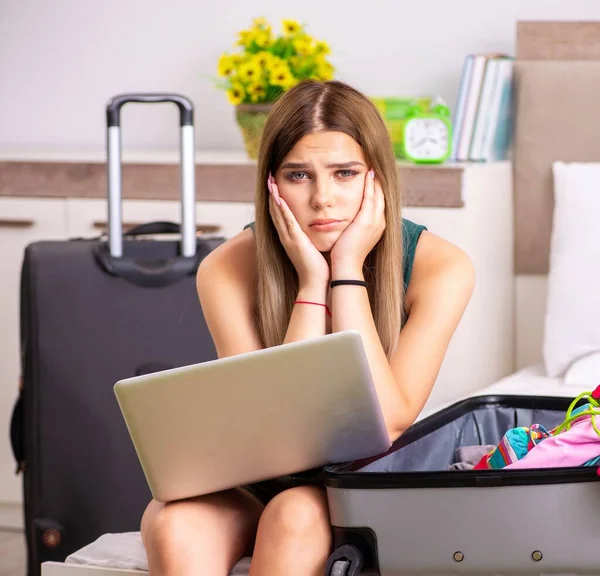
(187, 168)
(113, 108)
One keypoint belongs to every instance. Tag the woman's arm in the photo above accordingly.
(441, 285)
(307, 320)
(225, 282)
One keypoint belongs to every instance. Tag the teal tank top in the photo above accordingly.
(411, 233)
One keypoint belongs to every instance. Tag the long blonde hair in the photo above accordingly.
(310, 107)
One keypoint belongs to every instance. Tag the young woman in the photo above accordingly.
(328, 209)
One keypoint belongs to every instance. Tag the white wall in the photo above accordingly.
(61, 60)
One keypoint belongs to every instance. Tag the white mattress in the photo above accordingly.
(530, 381)
(125, 551)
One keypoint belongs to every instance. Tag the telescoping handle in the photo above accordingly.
(187, 169)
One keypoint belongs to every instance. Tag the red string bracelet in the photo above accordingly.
(316, 304)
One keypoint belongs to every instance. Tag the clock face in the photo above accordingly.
(426, 138)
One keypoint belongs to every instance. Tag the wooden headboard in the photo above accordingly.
(557, 84)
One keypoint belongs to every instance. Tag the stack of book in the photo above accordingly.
(483, 117)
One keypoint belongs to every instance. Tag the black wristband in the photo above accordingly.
(348, 283)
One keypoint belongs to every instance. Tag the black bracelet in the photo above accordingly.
(348, 283)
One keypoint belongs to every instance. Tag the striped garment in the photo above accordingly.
(514, 445)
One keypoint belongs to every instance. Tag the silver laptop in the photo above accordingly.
(229, 422)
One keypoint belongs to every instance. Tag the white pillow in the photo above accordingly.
(584, 372)
(572, 323)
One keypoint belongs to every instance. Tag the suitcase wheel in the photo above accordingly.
(347, 560)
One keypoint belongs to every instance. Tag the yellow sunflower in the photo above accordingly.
(275, 63)
(257, 92)
(236, 94)
(303, 45)
(263, 58)
(282, 77)
(260, 23)
(226, 65)
(245, 37)
(249, 71)
(322, 48)
(324, 71)
(291, 27)
(263, 38)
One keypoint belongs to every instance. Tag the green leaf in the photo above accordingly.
(253, 48)
(272, 93)
(279, 47)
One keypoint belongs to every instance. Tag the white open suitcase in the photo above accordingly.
(408, 513)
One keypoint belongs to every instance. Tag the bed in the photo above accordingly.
(557, 76)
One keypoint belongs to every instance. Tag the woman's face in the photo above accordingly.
(322, 181)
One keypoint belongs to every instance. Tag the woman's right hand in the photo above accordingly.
(311, 266)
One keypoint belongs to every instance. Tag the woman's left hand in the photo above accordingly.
(352, 247)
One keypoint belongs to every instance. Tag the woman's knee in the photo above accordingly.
(165, 528)
(301, 512)
(225, 520)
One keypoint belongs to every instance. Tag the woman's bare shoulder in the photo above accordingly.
(233, 260)
(438, 262)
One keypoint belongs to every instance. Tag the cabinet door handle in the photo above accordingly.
(16, 223)
(200, 228)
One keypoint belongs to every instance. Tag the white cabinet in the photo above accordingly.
(87, 217)
(22, 221)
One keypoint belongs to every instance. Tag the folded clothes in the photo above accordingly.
(575, 442)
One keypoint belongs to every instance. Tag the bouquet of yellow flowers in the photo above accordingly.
(269, 65)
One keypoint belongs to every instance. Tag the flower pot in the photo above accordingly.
(251, 119)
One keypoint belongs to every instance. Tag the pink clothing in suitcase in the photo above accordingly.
(576, 445)
(572, 447)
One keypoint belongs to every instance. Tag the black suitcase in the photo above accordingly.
(94, 312)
